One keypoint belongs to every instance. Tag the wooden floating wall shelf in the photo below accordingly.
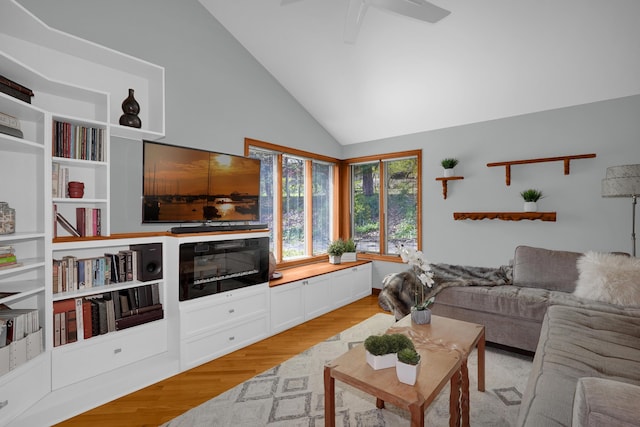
(565, 159)
(444, 183)
(506, 216)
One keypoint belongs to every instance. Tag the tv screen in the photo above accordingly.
(182, 184)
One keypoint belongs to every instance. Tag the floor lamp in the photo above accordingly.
(624, 181)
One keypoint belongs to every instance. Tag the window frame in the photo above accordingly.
(309, 158)
(346, 191)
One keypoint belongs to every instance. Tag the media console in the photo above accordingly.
(214, 228)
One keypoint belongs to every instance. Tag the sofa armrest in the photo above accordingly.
(603, 402)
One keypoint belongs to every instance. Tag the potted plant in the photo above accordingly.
(531, 197)
(408, 366)
(349, 254)
(448, 164)
(381, 350)
(420, 313)
(335, 251)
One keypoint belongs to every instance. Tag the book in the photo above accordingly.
(8, 259)
(11, 265)
(139, 319)
(10, 121)
(67, 225)
(141, 310)
(16, 90)
(11, 131)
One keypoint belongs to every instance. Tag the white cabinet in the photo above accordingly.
(360, 281)
(121, 344)
(219, 324)
(107, 353)
(296, 302)
(287, 306)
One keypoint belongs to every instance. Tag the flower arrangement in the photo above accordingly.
(423, 272)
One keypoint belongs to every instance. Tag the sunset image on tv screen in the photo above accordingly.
(182, 184)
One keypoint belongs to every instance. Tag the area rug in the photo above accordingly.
(292, 393)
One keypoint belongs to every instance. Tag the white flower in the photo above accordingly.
(420, 265)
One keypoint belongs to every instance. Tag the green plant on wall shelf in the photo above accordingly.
(531, 195)
(449, 163)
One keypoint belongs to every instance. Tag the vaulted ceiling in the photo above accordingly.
(488, 59)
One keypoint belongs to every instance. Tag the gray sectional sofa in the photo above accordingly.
(586, 368)
(513, 314)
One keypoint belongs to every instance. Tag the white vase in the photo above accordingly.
(334, 259)
(407, 374)
(421, 317)
(530, 207)
(448, 173)
(383, 361)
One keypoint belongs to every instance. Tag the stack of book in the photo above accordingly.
(71, 273)
(59, 180)
(78, 142)
(8, 257)
(10, 125)
(78, 319)
(88, 222)
(20, 337)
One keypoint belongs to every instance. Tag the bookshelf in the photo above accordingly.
(82, 84)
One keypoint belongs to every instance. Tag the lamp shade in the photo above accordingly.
(621, 181)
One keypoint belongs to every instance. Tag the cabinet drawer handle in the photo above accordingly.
(232, 310)
(117, 350)
(4, 403)
(232, 338)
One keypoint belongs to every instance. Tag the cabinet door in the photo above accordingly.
(317, 295)
(361, 281)
(287, 306)
(342, 287)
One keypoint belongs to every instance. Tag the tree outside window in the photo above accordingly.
(385, 203)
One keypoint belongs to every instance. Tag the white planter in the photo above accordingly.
(381, 362)
(448, 173)
(333, 259)
(407, 374)
(421, 317)
(348, 257)
(530, 207)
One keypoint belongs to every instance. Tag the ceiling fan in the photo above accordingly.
(417, 9)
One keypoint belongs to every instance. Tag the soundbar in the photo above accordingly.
(214, 228)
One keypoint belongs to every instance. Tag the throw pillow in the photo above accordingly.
(609, 278)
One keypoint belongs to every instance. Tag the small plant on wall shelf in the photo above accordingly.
(531, 197)
(448, 164)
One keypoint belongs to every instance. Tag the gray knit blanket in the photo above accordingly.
(398, 289)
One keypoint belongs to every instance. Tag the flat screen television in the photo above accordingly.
(185, 185)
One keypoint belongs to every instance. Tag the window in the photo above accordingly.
(385, 202)
(296, 199)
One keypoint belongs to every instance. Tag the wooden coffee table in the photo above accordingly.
(444, 346)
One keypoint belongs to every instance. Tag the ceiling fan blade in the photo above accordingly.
(418, 9)
(355, 14)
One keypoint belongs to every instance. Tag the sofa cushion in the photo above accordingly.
(601, 402)
(545, 268)
(508, 301)
(609, 278)
(576, 343)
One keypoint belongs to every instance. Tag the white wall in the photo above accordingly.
(585, 220)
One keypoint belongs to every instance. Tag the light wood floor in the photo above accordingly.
(167, 399)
